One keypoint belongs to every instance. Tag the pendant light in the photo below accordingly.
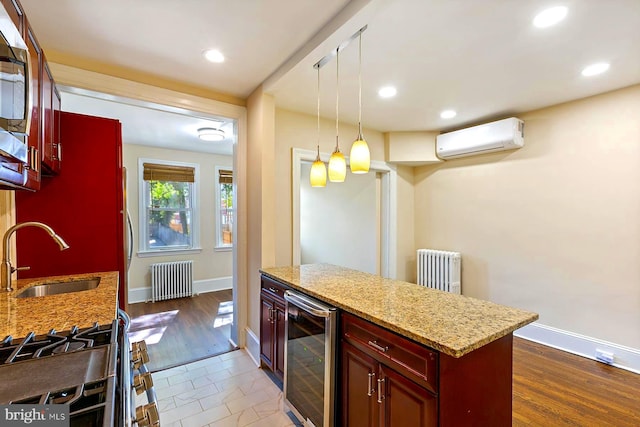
(359, 158)
(337, 163)
(318, 175)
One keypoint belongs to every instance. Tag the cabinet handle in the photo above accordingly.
(58, 154)
(378, 347)
(380, 390)
(271, 315)
(274, 290)
(370, 389)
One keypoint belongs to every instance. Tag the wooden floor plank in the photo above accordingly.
(555, 388)
(183, 330)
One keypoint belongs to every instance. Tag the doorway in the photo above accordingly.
(215, 267)
(360, 217)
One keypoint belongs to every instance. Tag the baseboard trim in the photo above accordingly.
(624, 357)
(253, 346)
(199, 287)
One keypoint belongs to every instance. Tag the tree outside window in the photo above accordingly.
(169, 222)
(224, 197)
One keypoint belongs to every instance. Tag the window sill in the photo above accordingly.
(223, 248)
(168, 252)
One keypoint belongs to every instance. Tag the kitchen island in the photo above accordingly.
(442, 359)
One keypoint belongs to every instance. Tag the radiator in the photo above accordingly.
(171, 280)
(439, 270)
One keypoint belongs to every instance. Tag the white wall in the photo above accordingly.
(209, 265)
(553, 227)
(339, 223)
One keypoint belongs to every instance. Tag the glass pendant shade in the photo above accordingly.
(359, 158)
(337, 167)
(318, 176)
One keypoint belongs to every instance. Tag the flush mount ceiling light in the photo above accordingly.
(595, 69)
(211, 134)
(387, 92)
(549, 17)
(213, 55)
(448, 114)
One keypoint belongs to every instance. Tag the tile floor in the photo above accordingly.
(225, 390)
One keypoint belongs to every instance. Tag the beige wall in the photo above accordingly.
(260, 197)
(553, 227)
(209, 264)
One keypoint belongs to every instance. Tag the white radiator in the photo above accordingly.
(171, 280)
(439, 270)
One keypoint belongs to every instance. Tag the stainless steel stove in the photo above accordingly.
(93, 370)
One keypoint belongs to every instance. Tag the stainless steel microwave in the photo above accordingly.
(15, 98)
(15, 64)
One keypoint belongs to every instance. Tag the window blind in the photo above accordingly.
(225, 176)
(155, 172)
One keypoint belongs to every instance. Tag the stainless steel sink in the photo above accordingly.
(55, 288)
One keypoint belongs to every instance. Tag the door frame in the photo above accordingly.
(388, 211)
(144, 94)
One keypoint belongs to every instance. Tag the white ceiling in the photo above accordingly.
(154, 125)
(482, 58)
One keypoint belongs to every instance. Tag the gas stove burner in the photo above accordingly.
(68, 347)
(54, 343)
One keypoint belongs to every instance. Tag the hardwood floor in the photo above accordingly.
(556, 388)
(183, 330)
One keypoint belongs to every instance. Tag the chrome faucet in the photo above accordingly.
(6, 269)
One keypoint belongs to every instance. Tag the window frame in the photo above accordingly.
(220, 246)
(143, 249)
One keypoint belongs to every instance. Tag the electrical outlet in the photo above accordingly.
(604, 356)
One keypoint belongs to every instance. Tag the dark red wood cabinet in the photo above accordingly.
(388, 380)
(51, 102)
(43, 140)
(272, 326)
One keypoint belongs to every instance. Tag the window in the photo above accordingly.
(224, 207)
(167, 212)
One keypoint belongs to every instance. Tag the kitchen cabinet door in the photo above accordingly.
(404, 402)
(34, 138)
(359, 388)
(50, 103)
(267, 333)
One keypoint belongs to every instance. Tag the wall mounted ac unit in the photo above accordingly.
(506, 134)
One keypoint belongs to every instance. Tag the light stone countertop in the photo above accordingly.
(19, 316)
(452, 324)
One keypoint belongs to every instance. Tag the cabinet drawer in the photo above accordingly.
(413, 360)
(274, 288)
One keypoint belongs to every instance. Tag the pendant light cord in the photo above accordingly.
(360, 86)
(318, 157)
(337, 93)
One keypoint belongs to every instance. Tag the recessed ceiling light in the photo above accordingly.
(211, 134)
(549, 17)
(214, 55)
(595, 69)
(448, 114)
(387, 92)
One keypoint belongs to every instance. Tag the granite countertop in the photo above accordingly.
(452, 324)
(19, 316)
